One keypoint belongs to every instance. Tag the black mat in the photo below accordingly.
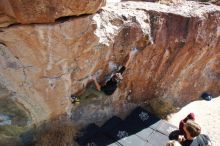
(140, 119)
(86, 133)
(137, 129)
(119, 132)
(111, 124)
(99, 139)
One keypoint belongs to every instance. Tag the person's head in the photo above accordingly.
(173, 143)
(192, 129)
(191, 116)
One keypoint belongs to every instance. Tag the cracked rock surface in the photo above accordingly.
(178, 58)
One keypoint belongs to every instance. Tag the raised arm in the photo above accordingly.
(98, 87)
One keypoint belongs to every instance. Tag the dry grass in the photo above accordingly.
(57, 135)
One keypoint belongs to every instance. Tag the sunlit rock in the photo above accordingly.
(177, 58)
(46, 11)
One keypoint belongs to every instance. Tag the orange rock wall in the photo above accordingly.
(178, 56)
(45, 11)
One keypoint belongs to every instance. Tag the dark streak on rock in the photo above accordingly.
(1, 43)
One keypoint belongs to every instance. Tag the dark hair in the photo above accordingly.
(193, 128)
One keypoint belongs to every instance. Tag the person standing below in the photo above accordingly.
(111, 85)
(193, 135)
(190, 116)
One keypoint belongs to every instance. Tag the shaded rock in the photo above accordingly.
(38, 11)
(6, 20)
(177, 58)
(216, 2)
(14, 119)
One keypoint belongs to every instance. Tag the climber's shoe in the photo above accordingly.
(77, 101)
(74, 99)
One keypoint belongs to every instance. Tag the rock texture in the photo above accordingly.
(178, 58)
(13, 119)
(38, 11)
(142, 0)
(6, 20)
(216, 2)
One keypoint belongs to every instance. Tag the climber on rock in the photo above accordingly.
(111, 85)
(108, 88)
(193, 136)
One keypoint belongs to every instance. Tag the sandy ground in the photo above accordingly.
(207, 114)
(112, 1)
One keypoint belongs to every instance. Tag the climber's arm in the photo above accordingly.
(98, 86)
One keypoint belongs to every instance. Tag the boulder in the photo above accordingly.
(38, 11)
(177, 59)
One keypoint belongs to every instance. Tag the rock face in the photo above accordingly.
(216, 2)
(38, 11)
(178, 58)
(6, 20)
(12, 118)
(142, 0)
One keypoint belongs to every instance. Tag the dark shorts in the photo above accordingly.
(121, 70)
